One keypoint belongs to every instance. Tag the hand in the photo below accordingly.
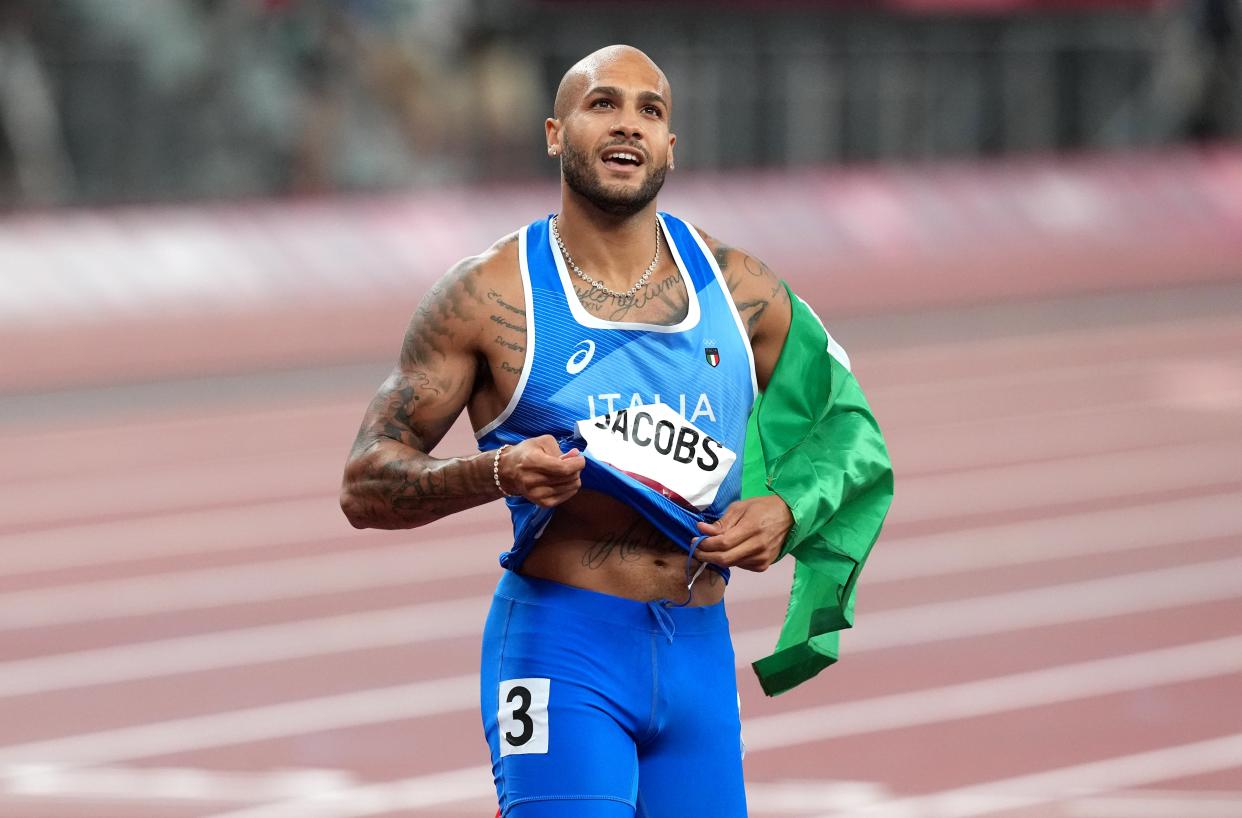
(537, 470)
(748, 535)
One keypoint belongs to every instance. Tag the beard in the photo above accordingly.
(583, 178)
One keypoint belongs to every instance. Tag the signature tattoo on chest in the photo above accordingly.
(660, 302)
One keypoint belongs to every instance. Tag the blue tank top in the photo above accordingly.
(580, 367)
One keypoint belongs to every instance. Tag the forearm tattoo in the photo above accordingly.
(394, 485)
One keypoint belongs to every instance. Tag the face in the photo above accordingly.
(614, 140)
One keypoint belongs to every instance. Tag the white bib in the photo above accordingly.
(658, 447)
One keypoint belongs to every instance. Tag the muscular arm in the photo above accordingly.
(390, 481)
(457, 351)
(751, 532)
(761, 301)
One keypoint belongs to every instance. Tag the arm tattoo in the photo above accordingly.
(492, 295)
(391, 485)
(513, 345)
(394, 413)
(515, 327)
(751, 309)
(721, 254)
(408, 492)
(512, 332)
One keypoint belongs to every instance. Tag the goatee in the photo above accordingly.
(583, 178)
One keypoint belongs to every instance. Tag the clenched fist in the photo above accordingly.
(537, 470)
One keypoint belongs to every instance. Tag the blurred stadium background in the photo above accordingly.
(1022, 217)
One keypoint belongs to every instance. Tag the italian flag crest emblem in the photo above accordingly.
(713, 355)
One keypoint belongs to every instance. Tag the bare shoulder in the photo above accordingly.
(498, 276)
(439, 363)
(448, 318)
(499, 262)
(757, 291)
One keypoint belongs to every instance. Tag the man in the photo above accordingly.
(608, 358)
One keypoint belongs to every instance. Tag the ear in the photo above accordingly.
(552, 134)
(672, 140)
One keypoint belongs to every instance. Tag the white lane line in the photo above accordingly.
(994, 442)
(1141, 340)
(406, 625)
(219, 530)
(1010, 420)
(1106, 531)
(171, 783)
(239, 479)
(1111, 476)
(1055, 685)
(1016, 380)
(1146, 591)
(787, 797)
(1157, 804)
(1153, 524)
(432, 790)
(336, 572)
(1064, 783)
(126, 442)
(166, 535)
(798, 797)
(964, 700)
(781, 797)
(1013, 793)
(302, 717)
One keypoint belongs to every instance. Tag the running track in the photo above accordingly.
(1051, 625)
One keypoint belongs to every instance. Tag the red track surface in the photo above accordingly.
(1051, 625)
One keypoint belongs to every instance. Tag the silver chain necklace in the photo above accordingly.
(598, 285)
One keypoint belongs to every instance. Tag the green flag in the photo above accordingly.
(812, 440)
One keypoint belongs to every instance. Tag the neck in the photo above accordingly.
(614, 249)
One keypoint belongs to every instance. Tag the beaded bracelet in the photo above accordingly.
(496, 470)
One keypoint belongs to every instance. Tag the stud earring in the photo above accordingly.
(551, 150)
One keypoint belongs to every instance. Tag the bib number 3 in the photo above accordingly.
(523, 716)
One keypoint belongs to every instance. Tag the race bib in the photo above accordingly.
(658, 447)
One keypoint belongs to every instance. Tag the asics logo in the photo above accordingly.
(581, 357)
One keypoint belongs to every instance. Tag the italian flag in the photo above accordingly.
(812, 440)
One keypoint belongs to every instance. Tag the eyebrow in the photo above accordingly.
(613, 91)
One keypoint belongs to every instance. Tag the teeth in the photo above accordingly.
(631, 157)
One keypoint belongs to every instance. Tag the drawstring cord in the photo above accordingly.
(691, 578)
(694, 545)
(663, 618)
(658, 606)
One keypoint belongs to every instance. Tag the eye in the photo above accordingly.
(653, 110)
(597, 103)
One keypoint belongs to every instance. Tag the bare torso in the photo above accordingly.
(598, 543)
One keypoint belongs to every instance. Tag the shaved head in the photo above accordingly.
(615, 99)
(578, 79)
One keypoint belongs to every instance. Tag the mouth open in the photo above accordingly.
(620, 158)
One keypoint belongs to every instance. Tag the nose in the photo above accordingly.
(628, 125)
